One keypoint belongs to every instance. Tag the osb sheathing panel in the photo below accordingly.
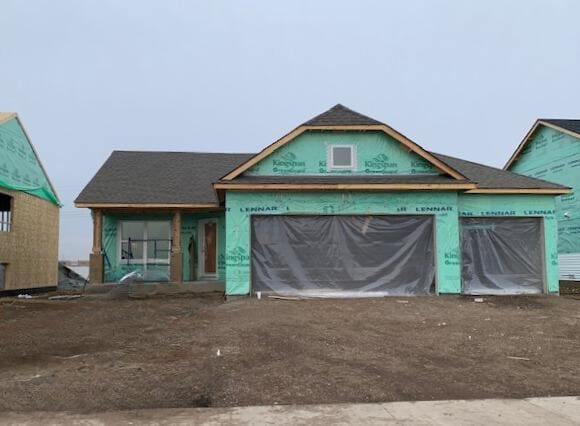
(31, 246)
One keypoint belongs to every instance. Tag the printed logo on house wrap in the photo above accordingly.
(221, 261)
(237, 256)
(260, 209)
(421, 166)
(288, 163)
(435, 209)
(489, 213)
(540, 142)
(380, 164)
(452, 257)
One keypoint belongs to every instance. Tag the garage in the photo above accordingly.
(343, 255)
(502, 255)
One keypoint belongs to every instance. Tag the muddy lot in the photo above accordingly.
(96, 354)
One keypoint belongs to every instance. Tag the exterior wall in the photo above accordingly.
(445, 206)
(521, 205)
(555, 156)
(376, 152)
(189, 228)
(114, 269)
(241, 205)
(31, 246)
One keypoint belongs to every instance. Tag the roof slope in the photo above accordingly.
(571, 125)
(493, 178)
(139, 177)
(339, 115)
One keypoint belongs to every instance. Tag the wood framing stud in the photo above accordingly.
(176, 259)
(97, 231)
(96, 266)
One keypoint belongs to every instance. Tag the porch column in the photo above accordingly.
(96, 257)
(176, 266)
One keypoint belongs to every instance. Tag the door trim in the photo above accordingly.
(201, 248)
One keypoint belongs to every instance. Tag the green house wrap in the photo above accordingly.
(20, 169)
(342, 206)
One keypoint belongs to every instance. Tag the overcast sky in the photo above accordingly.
(463, 78)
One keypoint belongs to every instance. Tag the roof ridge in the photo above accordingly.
(179, 152)
(341, 115)
(559, 119)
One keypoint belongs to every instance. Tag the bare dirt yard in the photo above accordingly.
(98, 353)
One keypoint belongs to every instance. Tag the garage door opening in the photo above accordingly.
(502, 255)
(343, 255)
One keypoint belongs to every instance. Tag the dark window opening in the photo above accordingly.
(2, 275)
(5, 212)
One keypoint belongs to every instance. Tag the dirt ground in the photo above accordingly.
(97, 353)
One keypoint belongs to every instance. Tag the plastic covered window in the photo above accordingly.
(145, 241)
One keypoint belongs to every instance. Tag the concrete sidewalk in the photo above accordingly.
(531, 411)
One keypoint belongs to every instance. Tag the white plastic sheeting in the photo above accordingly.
(569, 266)
(502, 255)
(343, 255)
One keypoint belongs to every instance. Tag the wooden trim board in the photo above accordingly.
(344, 186)
(412, 146)
(145, 206)
(552, 191)
(529, 134)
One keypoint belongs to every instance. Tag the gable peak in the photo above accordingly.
(339, 115)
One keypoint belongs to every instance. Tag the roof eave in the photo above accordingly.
(98, 205)
(547, 191)
(344, 186)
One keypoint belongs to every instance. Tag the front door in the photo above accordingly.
(208, 249)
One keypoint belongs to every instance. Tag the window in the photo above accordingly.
(341, 157)
(145, 242)
(3, 275)
(5, 212)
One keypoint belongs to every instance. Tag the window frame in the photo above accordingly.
(332, 166)
(3, 275)
(7, 216)
(145, 260)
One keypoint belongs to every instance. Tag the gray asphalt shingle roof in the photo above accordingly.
(340, 115)
(572, 125)
(492, 177)
(140, 177)
(137, 177)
